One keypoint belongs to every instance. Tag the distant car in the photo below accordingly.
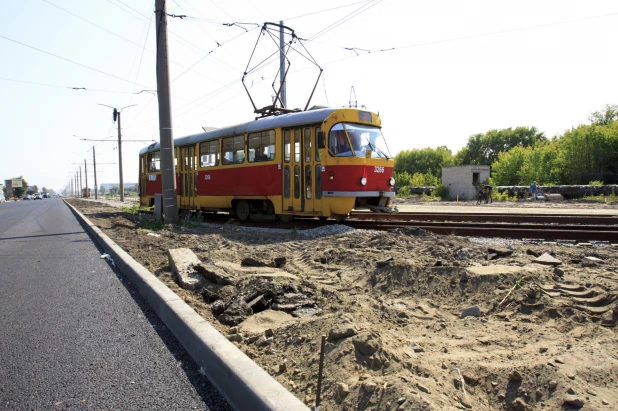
(2, 199)
(27, 197)
(38, 196)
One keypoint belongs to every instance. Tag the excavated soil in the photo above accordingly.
(538, 336)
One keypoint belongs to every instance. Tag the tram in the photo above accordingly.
(317, 163)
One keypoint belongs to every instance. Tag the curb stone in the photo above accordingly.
(243, 383)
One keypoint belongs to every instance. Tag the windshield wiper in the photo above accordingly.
(377, 150)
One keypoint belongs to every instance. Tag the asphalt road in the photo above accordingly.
(74, 333)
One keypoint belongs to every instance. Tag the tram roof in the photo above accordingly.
(284, 120)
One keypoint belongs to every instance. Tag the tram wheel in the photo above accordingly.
(285, 218)
(243, 210)
(323, 218)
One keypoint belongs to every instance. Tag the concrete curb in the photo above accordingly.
(244, 384)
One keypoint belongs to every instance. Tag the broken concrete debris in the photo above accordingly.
(214, 274)
(182, 261)
(234, 296)
(471, 312)
(337, 334)
(547, 259)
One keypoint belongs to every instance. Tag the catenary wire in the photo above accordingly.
(326, 10)
(141, 58)
(70, 61)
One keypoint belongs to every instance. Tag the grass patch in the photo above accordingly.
(135, 209)
(601, 198)
(426, 198)
(150, 222)
(504, 196)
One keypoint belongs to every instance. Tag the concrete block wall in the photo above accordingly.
(459, 180)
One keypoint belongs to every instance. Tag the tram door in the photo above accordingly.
(298, 170)
(187, 169)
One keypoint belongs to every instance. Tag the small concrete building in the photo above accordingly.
(463, 181)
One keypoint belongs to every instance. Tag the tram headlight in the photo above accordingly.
(391, 181)
(363, 181)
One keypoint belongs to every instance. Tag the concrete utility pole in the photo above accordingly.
(81, 187)
(284, 102)
(94, 162)
(166, 138)
(86, 175)
(117, 116)
(121, 188)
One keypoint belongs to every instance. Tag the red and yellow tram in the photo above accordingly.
(317, 163)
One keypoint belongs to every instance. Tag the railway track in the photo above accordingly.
(582, 228)
(492, 217)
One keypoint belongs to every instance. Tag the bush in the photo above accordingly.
(596, 183)
(504, 196)
(404, 192)
(402, 179)
(440, 191)
(150, 222)
(134, 209)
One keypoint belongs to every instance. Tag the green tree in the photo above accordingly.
(424, 161)
(605, 116)
(541, 164)
(484, 149)
(522, 165)
(20, 191)
(506, 171)
(102, 190)
(589, 152)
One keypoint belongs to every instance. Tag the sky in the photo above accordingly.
(436, 71)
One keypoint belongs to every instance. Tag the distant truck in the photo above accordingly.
(86, 192)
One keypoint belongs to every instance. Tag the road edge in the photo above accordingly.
(243, 383)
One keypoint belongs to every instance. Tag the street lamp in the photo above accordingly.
(117, 115)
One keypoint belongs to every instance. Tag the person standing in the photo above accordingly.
(533, 190)
(488, 198)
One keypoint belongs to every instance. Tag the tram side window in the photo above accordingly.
(308, 180)
(318, 181)
(297, 145)
(338, 141)
(317, 149)
(297, 178)
(286, 182)
(154, 161)
(261, 146)
(233, 150)
(307, 143)
(209, 154)
(286, 146)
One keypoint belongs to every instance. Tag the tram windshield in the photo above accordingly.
(347, 139)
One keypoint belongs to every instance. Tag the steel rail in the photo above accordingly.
(491, 217)
(503, 231)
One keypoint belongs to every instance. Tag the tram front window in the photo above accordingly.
(346, 139)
